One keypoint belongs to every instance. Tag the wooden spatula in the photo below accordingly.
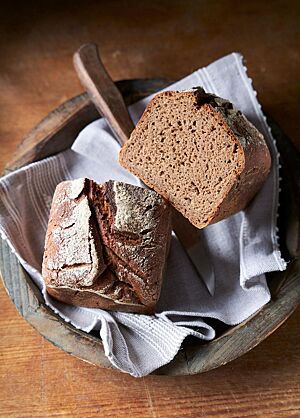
(109, 102)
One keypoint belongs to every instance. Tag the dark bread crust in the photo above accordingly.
(254, 168)
(134, 223)
(245, 176)
(131, 230)
(88, 299)
(73, 250)
(107, 293)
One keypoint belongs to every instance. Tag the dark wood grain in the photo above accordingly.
(58, 130)
(38, 380)
(55, 133)
(102, 91)
(142, 39)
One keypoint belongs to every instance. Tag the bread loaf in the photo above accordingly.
(199, 153)
(106, 245)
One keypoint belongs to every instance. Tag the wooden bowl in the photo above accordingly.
(57, 132)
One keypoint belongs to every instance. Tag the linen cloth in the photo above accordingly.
(242, 248)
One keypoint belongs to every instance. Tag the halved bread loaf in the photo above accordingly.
(106, 245)
(199, 153)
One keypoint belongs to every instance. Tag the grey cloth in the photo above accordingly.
(242, 248)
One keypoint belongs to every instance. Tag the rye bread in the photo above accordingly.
(198, 152)
(112, 246)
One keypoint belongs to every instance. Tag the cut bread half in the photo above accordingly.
(199, 153)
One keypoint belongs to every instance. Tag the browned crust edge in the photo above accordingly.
(89, 299)
(256, 156)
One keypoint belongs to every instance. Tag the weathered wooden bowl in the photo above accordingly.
(57, 132)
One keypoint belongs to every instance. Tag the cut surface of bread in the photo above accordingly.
(199, 153)
(106, 245)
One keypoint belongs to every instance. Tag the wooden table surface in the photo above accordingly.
(142, 39)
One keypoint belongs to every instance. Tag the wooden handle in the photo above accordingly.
(102, 91)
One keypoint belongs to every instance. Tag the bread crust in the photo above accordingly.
(254, 168)
(73, 249)
(130, 227)
(89, 299)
